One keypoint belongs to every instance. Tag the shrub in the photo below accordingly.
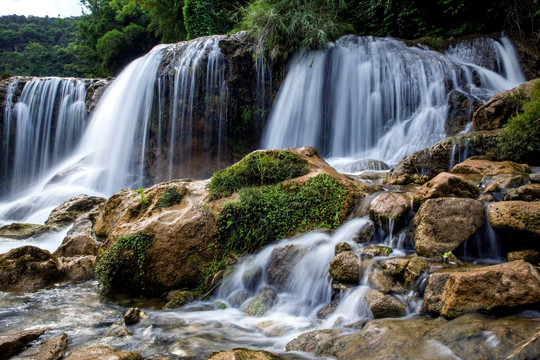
(257, 169)
(520, 138)
(120, 267)
(170, 197)
(266, 214)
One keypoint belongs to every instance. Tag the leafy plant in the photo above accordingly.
(260, 168)
(170, 197)
(266, 214)
(121, 266)
(520, 138)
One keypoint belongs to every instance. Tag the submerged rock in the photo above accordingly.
(490, 288)
(262, 302)
(390, 211)
(442, 224)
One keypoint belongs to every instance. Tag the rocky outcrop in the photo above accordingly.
(489, 168)
(490, 288)
(462, 106)
(423, 165)
(445, 185)
(50, 349)
(80, 239)
(104, 352)
(442, 224)
(390, 211)
(14, 341)
(72, 208)
(517, 222)
(497, 110)
(23, 230)
(530, 256)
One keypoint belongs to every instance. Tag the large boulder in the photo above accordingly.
(489, 168)
(28, 268)
(490, 288)
(282, 262)
(390, 211)
(497, 110)
(14, 341)
(442, 224)
(446, 185)
(345, 268)
(312, 341)
(424, 164)
(529, 192)
(50, 349)
(72, 208)
(80, 239)
(518, 223)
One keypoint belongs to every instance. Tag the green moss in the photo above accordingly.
(257, 169)
(266, 214)
(520, 138)
(121, 266)
(170, 197)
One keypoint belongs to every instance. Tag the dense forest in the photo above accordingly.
(111, 33)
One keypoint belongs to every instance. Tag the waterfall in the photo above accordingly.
(377, 98)
(42, 128)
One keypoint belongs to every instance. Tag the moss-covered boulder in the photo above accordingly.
(345, 268)
(244, 354)
(262, 302)
(489, 168)
(72, 208)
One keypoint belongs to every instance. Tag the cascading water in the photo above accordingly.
(376, 98)
(41, 129)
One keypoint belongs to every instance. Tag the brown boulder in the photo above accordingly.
(490, 288)
(14, 341)
(104, 353)
(345, 268)
(442, 224)
(390, 209)
(489, 168)
(445, 185)
(80, 239)
(497, 110)
(529, 192)
(77, 268)
(518, 222)
(530, 256)
(312, 341)
(28, 268)
(50, 349)
(383, 306)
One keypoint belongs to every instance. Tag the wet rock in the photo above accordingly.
(460, 112)
(244, 354)
(328, 309)
(50, 349)
(381, 281)
(364, 164)
(282, 262)
(104, 352)
(28, 268)
(396, 267)
(262, 302)
(383, 306)
(530, 256)
(80, 239)
(78, 268)
(71, 209)
(534, 178)
(490, 288)
(517, 222)
(504, 181)
(376, 250)
(434, 290)
(341, 247)
(489, 168)
(497, 110)
(415, 268)
(14, 341)
(442, 224)
(423, 165)
(345, 268)
(445, 185)
(313, 341)
(179, 298)
(471, 336)
(133, 316)
(252, 277)
(529, 349)
(119, 332)
(23, 231)
(390, 211)
(366, 233)
(529, 192)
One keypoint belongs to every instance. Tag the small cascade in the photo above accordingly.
(376, 98)
(42, 128)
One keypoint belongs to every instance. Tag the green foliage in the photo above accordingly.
(266, 214)
(170, 197)
(199, 18)
(142, 198)
(286, 25)
(259, 168)
(121, 266)
(167, 19)
(520, 138)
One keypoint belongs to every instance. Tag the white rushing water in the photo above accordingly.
(376, 98)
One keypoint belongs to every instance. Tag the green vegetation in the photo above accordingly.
(170, 197)
(257, 169)
(121, 265)
(520, 138)
(266, 214)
